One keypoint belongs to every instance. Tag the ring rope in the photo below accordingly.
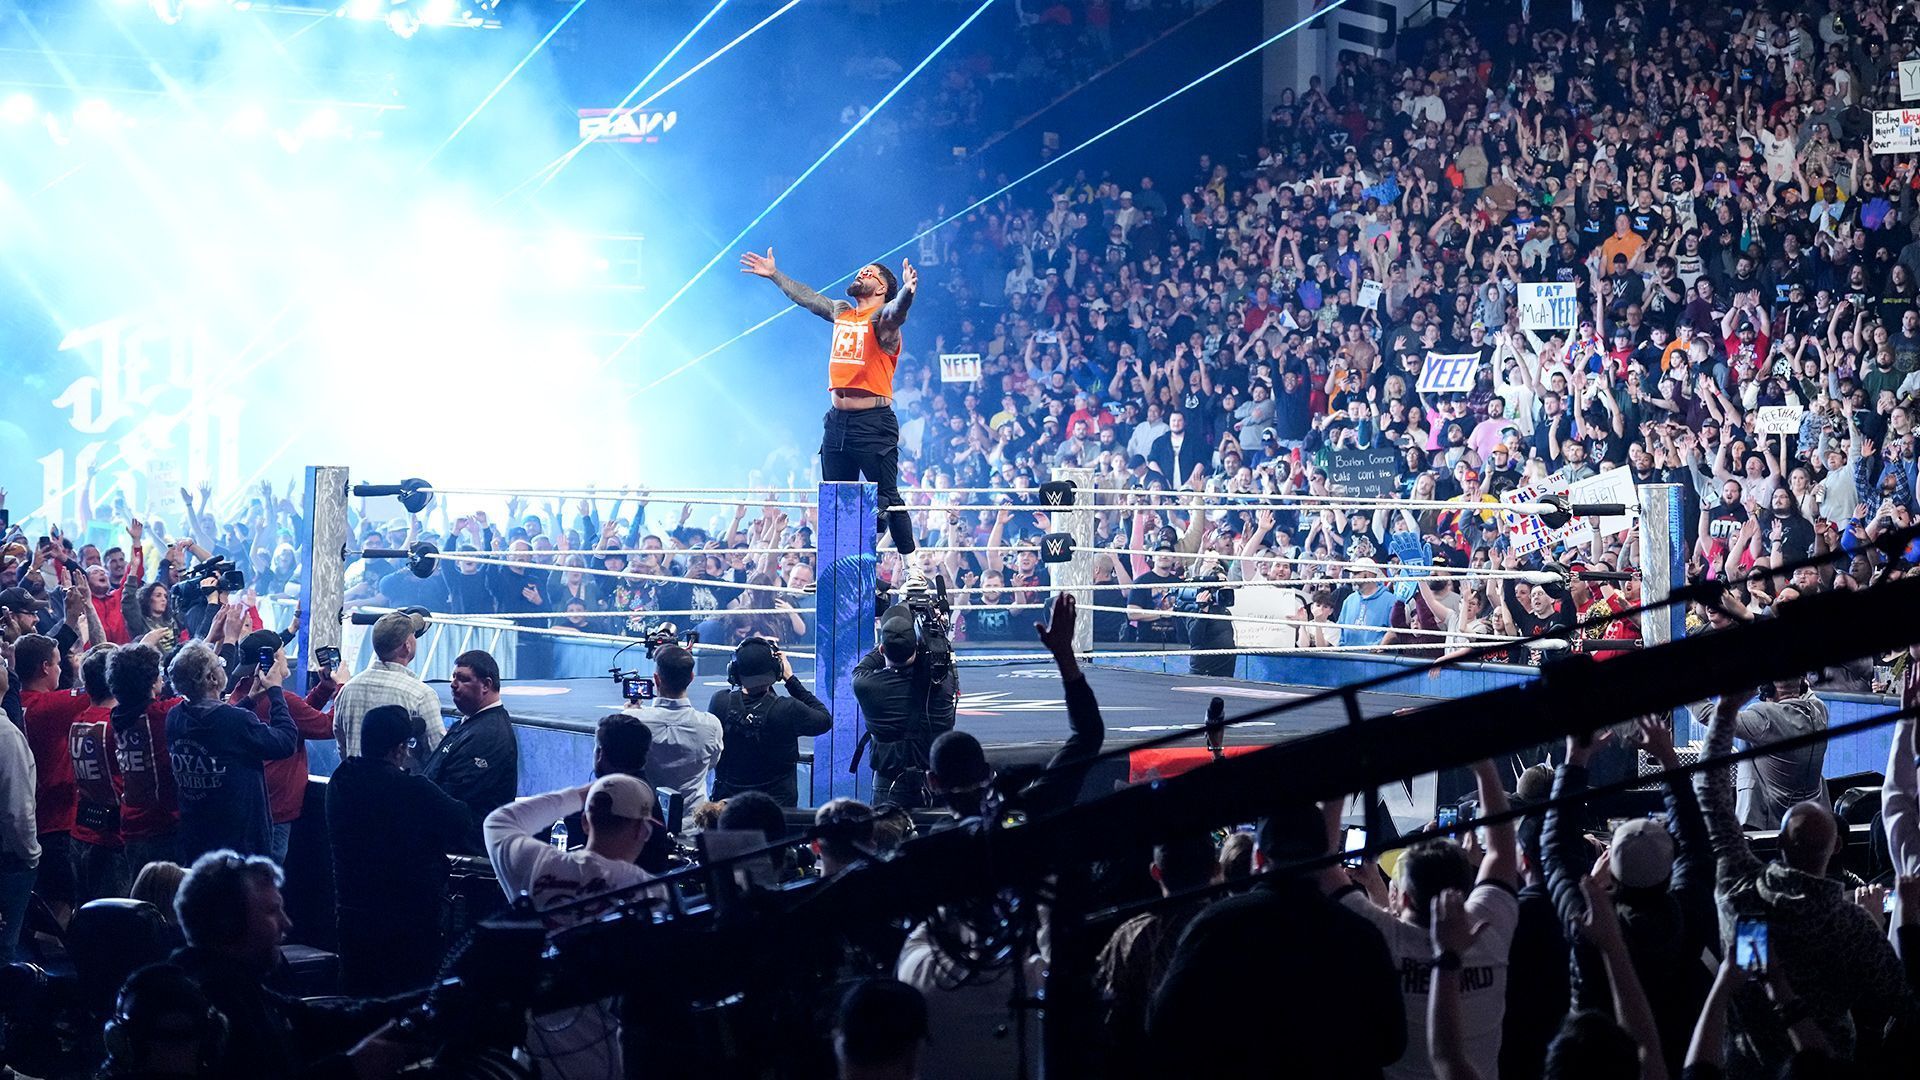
(1198, 503)
(481, 622)
(585, 493)
(634, 553)
(1532, 577)
(640, 613)
(1257, 620)
(482, 560)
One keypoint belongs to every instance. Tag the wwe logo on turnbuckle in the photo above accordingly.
(1056, 546)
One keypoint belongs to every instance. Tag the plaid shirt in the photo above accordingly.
(385, 683)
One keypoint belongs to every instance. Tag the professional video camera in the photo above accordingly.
(1204, 596)
(932, 611)
(634, 686)
(193, 585)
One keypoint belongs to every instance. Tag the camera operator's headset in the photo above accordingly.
(733, 665)
(205, 1025)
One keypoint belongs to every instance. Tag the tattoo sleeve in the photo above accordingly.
(895, 311)
(808, 298)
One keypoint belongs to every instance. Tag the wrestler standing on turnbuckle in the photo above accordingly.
(862, 437)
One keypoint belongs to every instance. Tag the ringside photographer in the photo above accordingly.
(908, 690)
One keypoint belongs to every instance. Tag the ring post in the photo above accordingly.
(323, 579)
(843, 618)
(1663, 568)
(1078, 571)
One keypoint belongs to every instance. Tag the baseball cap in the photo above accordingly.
(898, 640)
(395, 627)
(17, 599)
(754, 664)
(1642, 853)
(631, 798)
(251, 645)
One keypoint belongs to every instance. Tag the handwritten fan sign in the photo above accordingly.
(959, 367)
(1526, 533)
(1610, 486)
(1549, 305)
(1778, 419)
(1372, 472)
(1896, 131)
(1448, 373)
(1370, 295)
(1909, 80)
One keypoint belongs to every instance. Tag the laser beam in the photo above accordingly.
(801, 179)
(1042, 167)
(495, 92)
(554, 169)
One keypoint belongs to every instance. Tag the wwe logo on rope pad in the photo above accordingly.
(1056, 548)
(1057, 493)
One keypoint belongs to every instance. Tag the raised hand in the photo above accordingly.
(909, 274)
(1057, 634)
(759, 265)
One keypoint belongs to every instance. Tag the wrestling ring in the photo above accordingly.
(560, 667)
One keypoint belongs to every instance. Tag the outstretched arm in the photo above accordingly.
(894, 311)
(806, 297)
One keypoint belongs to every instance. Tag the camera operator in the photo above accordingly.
(1206, 594)
(908, 689)
(763, 729)
(206, 590)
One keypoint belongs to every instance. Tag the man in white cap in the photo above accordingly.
(389, 681)
(617, 811)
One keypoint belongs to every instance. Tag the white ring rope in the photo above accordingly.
(481, 623)
(1531, 577)
(1256, 620)
(1200, 503)
(486, 622)
(639, 613)
(1251, 650)
(482, 560)
(638, 553)
(590, 493)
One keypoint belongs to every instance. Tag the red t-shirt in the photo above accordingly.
(50, 717)
(148, 803)
(287, 777)
(96, 818)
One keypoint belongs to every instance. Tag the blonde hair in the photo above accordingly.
(157, 884)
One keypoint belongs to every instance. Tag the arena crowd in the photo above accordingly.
(1702, 177)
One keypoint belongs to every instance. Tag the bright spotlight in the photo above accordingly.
(440, 12)
(403, 22)
(248, 120)
(18, 109)
(365, 9)
(322, 123)
(93, 114)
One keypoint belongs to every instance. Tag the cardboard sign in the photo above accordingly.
(1549, 305)
(1526, 533)
(1370, 293)
(959, 367)
(1896, 131)
(1611, 486)
(1448, 373)
(1909, 80)
(1373, 472)
(1778, 419)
